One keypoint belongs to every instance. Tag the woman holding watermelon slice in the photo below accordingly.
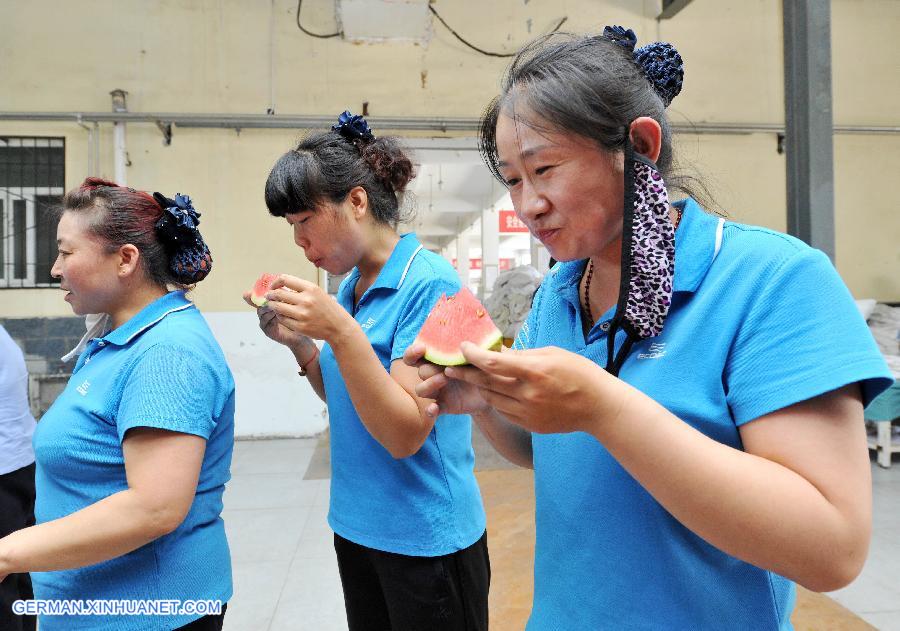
(405, 506)
(689, 391)
(133, 456)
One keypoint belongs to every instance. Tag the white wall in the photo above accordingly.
(271, 398)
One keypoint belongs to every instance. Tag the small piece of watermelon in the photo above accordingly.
(454, 320)
(260, 287)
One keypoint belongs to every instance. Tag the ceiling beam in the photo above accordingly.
(671, 7)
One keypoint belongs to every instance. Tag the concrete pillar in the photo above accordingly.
(490, 250)
(808, 122)
(462, 257)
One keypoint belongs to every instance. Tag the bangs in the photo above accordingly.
(292, 185)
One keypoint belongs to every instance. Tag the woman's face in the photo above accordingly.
(86, 271)
(566, 190)
(329, 236)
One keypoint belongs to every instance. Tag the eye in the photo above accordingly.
(304, 220)
(511, 182)
(543, 169)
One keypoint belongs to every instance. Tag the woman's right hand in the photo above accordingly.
(451, 396)
(274, 330)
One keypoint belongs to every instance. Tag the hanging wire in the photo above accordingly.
(310, 33)
(476, 48)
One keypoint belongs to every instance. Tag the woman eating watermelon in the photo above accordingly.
(688, 390)
(405, 506)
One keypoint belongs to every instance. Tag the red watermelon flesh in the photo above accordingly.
(454, 320)
(260, 287)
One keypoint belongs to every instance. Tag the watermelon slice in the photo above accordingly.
(454, 320)
(258, 293)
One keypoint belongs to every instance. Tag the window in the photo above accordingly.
(32, 182)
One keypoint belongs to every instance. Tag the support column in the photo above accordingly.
(462, 257)
(809, 122)
(490, 250)
(540, 258)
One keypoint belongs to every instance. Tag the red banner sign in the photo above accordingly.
(504, 264)
(510, 223)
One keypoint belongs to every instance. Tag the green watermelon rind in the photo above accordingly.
(492, 342)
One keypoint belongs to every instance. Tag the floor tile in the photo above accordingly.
(264, 535)
(257, 587)
(268, 490)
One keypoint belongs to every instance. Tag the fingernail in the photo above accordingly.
(449, 371)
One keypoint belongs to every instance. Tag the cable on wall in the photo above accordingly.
(476, 48)
(310, 33)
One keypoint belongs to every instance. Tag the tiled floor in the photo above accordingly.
(286, 576)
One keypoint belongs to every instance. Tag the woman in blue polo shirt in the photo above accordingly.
(689, 391)
(405, 506)
(133, 456)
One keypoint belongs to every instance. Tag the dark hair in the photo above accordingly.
(117, 215)
(582, 84)
(325, 166)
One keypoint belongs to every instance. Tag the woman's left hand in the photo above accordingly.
(305, 308)
(545, 390)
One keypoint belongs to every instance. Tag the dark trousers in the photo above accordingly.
(206, 623)
(384, 591)
(16, 512)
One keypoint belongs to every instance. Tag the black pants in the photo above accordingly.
(384, 591)
(212, 622)
(16, 512)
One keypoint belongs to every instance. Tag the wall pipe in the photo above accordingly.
(265, 121)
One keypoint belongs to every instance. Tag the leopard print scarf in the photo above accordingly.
(648, 258)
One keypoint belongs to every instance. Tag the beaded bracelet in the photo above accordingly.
(302, 371)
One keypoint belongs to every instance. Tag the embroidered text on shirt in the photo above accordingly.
(656, 351)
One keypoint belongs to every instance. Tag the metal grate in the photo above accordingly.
(32, 182)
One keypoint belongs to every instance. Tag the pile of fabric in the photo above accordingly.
(510, 300)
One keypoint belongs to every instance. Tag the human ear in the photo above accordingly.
(359, 201)
(129, 256)
(646, 137)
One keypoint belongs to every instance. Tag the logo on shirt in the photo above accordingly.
(368, 324)
(656, 351)
(83, 388)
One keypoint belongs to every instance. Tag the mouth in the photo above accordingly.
(546, 235)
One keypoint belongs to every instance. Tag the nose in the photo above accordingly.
(298, 238)
(56, 270)
(531, 202)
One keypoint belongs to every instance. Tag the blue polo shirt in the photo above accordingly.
(161, 369)
(758, 321)
(427, 504)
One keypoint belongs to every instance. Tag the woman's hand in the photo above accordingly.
(273, 329)
(545, 390)
(451, 396)
(304, 309)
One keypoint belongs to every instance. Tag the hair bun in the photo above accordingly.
(663, 67)
(189, 257)
(389, 163)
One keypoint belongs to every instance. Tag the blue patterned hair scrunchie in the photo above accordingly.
(189, 258)
(659, 61)
(353, 127)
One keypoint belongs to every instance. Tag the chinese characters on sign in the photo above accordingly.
(510, 223)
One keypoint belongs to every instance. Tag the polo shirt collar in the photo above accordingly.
(696, 244)
(147, 317)
(695, 248)
(395, 269)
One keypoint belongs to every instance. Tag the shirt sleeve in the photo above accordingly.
(416, 311)
(170, 388)
(801, 337)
